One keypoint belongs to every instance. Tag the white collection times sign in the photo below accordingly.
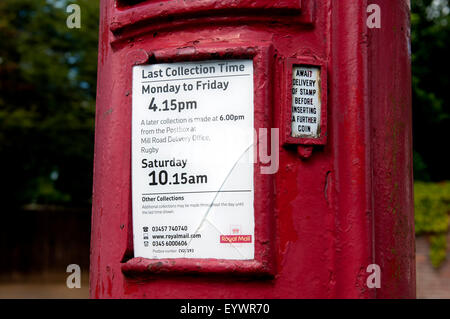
(192, 160)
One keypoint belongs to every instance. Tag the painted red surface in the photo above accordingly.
(331, 210)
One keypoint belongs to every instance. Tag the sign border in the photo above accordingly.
(263, 264)
(286, 112)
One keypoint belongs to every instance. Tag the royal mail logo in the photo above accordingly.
(231, 239)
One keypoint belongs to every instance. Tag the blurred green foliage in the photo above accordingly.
(47, 102)
(430, 38)
(432, 205)
(432, 208)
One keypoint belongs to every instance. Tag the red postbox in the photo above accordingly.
(253, 149)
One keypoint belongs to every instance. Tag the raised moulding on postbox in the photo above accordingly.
(131, 18)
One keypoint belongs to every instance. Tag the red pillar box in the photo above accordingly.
(252, 149)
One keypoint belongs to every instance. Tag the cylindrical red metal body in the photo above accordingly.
(334, 206)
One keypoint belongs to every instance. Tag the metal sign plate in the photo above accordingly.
(192, 160)
(306, 101)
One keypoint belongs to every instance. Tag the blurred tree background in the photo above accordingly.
(430, 37)
(47, 102)
(47, 98)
